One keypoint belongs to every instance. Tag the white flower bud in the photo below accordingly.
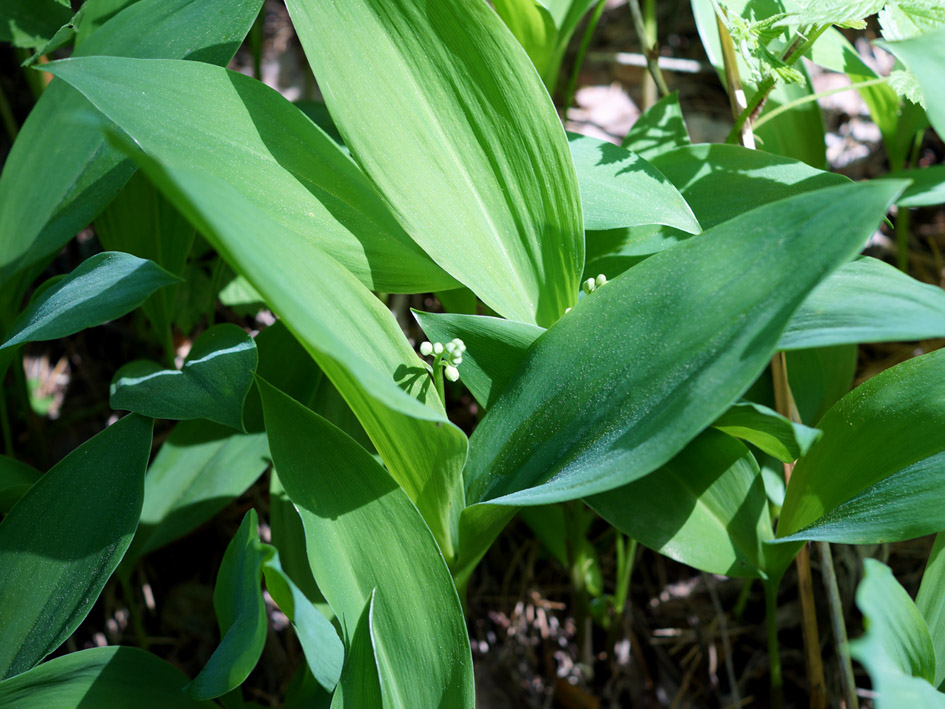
(451, 372)
(438, 348)
(589, 286)
(600, 280)
(426, 348)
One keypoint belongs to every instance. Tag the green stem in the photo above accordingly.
(255, 42)
(797, 50)
(582, 51)
(5, 425)
(903, 215)
(774, 652)
(742, 601)
(136, 623)
(6, 114)
(626, 553)
(438, 377)
(835, 607)
(774, 113)
(650, 51)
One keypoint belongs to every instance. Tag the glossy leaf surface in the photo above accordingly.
(61, 145)
(706, 508)
(444, 142)
(347, 502)
(495, 349)
(621, 189)
(211, 385)
(866, 300)
(774, 434)
(100, 677)
(15, 479)
(352, 336)
(200, 117)
(618, 386)
(102, 288)
(55, 556)
(876, 475)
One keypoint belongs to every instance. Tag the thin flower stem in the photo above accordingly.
(650, 51)
(6, 114)
(814, 97)
(774, 655)
(582, 52)
(841, 644)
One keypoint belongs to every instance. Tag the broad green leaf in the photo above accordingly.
(927, 188)
(324, 652)
(876, 474)
(896, 648)
(211, 385)
(200, 117)
(535, 29)
(360, 684)
(102, 288)
(354, 339)
(866, 301)
(288, 537)
(843, 13)
(61, 146)
(620, 189)
(443, 142)
(495, 349)
(924, 55)
(100, 677)
(29, 23)
(706, 508)
(140, 221)
(346, 499)
(618, 386)
(768, 430)
(931, 603)
(15, 479)
(722, 181)
(241, 614)
(200, 469)
(62, 540)
(97, 13)
(819, 378)
(613, 251)
(659, 129)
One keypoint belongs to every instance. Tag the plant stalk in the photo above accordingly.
(650, 50)
(6, 115)
(582, 52)
(841, 643)
(5, 426)
(774, 654)
(736, 92)
(810, 98)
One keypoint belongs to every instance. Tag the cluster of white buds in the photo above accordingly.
(450, 354)
(592, 284)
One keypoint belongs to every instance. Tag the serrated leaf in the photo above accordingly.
(843, 13)
(904, 19)
(102, 288)
(212, 384)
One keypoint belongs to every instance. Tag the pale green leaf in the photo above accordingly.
(924, 56)
(931, 603)
(927, 188)
(659, 129)
(347, 502)
(768, 430)
(443, 142)
(196, 116)
(905, 19)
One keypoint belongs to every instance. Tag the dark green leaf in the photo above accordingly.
(819, 378)
(241, 613)
(706, 508)
(201, 468)
(15, 479)
(345, 498)
(621, 189)
(619, 385)
(930, 603)
(61, 146)
(495, 349)
(767, 429)
(360, 684)
(218, 122)
(100, 677)
(64, 538)
(659, 129)
(499, 213)
(104, 287)
(877, 474)
(29, 23)
(722, 181)
(866, 300)
(211, 385)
